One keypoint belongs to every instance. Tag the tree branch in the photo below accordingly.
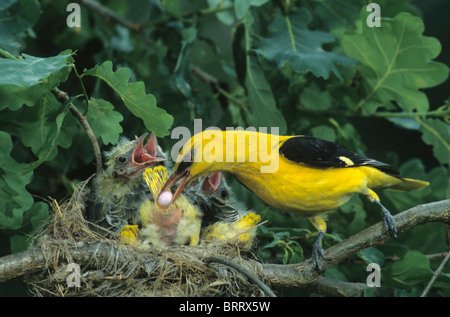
(240, 269)
(108, 14)
(62, 96)
(302, 276)
(436, 274)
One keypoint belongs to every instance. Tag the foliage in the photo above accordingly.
(306, 67)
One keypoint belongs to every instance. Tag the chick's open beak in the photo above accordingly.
(144, 156)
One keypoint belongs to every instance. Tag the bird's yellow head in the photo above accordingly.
(189, 166)
(128, 159)
(212, 151)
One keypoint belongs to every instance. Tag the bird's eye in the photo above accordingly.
(186, 162)
(224, 194)
(188, 157)
(122, 159)
(182, 166)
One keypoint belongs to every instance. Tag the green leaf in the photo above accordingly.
(182, 68)
(315, 99)
(437, 133)
(40, 128)
(240, 8)
(343, 13)
(104, 121)
(372, 255)
(337, 13)
(172, 7)
(32, 219)
(396, 63)
(293, 253)
(324, 132)
(335, 274)
(31, 70)
(142, 105)
(13, 96)
(414, 268)
(264, 109)
(226, 17)
(14, 198)
(16, 18)
(300, 47)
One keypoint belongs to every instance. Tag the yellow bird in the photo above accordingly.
(118, 192)
(178, 225)
(303, 175)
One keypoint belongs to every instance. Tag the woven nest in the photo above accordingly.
(110, 268)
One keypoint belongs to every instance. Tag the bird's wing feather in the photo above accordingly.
(321, 153)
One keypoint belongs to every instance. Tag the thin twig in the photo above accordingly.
(62, 96)
(381, 114)
(80, 79)
(242, 270)
(110, 15)
(436, 274)
(6, 54)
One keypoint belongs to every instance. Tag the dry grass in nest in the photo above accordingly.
(110, 268)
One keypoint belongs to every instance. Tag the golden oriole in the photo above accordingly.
(178, 225)
(299, 174)
(117, 193)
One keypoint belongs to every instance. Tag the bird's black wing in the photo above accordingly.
(321, 153)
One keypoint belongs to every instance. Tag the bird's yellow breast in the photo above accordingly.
(306, 190)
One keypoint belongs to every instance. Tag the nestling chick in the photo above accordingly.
(224, 220)
(119, 191)
(213, 196)
(178, 224)
(241, 232)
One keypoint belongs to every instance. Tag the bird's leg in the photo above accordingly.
(321, 226)
(388, 220)
(318, 250)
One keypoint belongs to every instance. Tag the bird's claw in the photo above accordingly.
(318, 251)
(389, 222)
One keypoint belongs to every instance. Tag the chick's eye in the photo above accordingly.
(122, 159)
(224, 194)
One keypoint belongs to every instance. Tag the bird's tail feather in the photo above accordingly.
(409, 184)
